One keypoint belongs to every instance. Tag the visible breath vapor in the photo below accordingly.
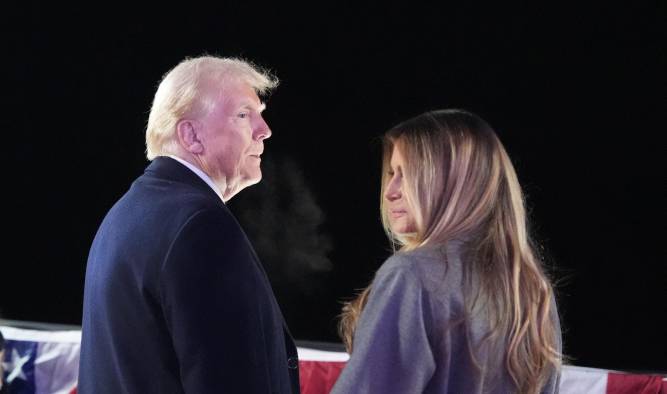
(283, 221)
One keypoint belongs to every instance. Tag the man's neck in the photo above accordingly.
(200, 173)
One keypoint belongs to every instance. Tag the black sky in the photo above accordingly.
(576, 94)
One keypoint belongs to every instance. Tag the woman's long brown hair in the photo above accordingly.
(461, 184)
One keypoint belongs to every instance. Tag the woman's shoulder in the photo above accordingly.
(429, 264)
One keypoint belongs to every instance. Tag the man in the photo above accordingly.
(176, 300)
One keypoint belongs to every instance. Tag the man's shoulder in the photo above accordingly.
(169, 192)
(163, 206)
(167, 175)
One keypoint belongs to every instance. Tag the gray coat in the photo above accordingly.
(407, 339)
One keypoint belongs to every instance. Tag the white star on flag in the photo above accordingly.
(15, 366)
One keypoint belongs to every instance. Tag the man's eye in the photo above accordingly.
(243, 115)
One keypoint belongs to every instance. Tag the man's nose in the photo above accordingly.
(262, 131)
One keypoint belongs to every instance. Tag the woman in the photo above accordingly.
(464, 305)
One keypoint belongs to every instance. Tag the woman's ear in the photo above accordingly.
(188, 132)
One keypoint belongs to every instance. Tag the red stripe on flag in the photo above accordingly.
(318, 377)
(619, 383)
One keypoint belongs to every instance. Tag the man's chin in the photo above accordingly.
(236, 187)
(251, 180)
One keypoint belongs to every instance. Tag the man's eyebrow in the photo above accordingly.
(261, 107)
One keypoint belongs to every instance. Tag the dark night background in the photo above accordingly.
(577, 94)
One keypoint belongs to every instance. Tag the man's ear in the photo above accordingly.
(188, 136)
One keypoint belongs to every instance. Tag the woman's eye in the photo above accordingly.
(243, 115)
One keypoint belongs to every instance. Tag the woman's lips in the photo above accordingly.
(397, 213)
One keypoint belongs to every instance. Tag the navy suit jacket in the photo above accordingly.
(176, 300)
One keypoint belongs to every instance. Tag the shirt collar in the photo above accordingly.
(200, 174)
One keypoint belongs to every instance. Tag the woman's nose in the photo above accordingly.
(393, 191)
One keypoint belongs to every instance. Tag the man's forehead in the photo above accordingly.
(237, 94)
(236, 101)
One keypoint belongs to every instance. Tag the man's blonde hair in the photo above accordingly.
(181, 94)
